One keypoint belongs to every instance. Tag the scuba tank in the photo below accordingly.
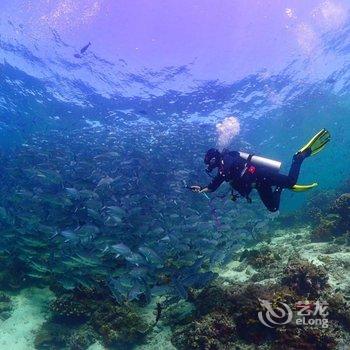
(272, 165)
(253, 161)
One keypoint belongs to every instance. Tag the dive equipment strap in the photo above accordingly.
(248, 165)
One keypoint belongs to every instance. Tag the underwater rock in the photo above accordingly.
(339, 309)
(179, 313)
(318, 204)
(249, 305)
(315, 214)
(217, 296)
(215, 330)
(52, 335)
(233, 310)
(326, 230)
(334, 223)
(82, 338)
(305, 278)
(331, 249)
(95, 308)
(118, 325)
(259, 258)
(6, 306)
(342, 206)
(305, 338)
(87, 315)
(57, 336)
(261, 276)
(70, 310)
(242, 303)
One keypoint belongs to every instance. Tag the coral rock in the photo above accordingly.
(213, 331)
(69, 309)
(306, 338)
(118, 325)
(305, 278)
(259, 258)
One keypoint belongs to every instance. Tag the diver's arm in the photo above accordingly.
(213, 186)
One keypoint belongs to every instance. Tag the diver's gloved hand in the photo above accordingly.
(196, 188)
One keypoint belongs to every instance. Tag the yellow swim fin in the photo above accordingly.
(303, 188)
(317, 143)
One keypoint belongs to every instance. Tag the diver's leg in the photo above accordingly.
(270, 198)
(295, 167)
(287, 181)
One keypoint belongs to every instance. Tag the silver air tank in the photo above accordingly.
(270, 164)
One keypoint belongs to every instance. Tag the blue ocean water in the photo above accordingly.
(95, 158)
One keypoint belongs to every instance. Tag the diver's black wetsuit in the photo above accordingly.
(243, 177)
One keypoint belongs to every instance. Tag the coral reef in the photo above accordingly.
(339, 309)
(299, 286)
(215, 330)
(318, 204)
(335, 221)
(248, 306)
(179, 313)
(69, 308)
(304, 338)
(342, 206)
(305, 278)
(217, 296)
(118, 324)
(326, 230)
(86, 315)
(224, 314)
(56, 336)
(259, 258)
(317, 207)
(82, 338)
(242, 304)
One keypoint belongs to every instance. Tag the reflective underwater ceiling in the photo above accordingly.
(107, 110)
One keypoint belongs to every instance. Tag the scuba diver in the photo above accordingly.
(247, 171)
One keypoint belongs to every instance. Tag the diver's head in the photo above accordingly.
(212, 159)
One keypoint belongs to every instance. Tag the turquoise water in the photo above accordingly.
(94, 159)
